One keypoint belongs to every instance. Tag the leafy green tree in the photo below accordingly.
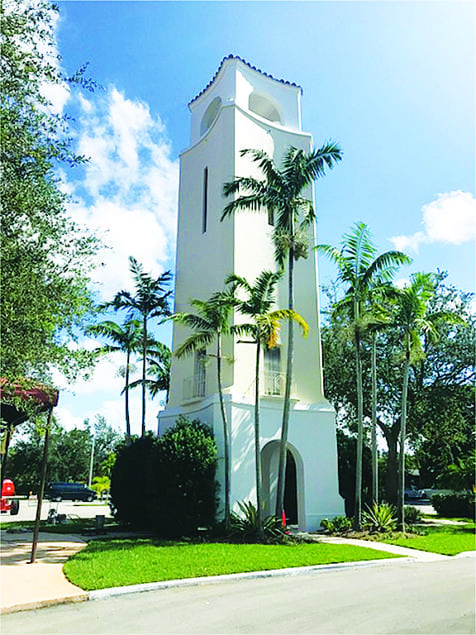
(124, 339)
(46, 257)
(280, 193)
(461, 475)
(360, 269)
(69, 453)
(264, 331)
(150, 300)
(441, 393)
(211, 323)
(106, 442)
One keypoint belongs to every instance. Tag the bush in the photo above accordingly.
(412, 515)
(457, 505)
(186, 490)
(246, 525)
(379, 518)
(338, 525)
(132, 475)
(167, 484)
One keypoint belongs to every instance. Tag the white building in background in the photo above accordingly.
(242, 107)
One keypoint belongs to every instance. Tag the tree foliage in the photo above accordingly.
(46, 257)
(69, 453)
(441, 393)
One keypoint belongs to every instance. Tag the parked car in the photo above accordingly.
(69, 491)
(9, 504)
(412, 493)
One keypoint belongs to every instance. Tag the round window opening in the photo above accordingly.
(211, 113)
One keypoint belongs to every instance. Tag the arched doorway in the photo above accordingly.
(294, 482)
(290, 491)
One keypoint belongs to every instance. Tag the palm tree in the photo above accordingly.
(264, 331)
(211, 322)
(125, 339)
(415, 321)
(280, 194)
(360, 269)
(151, 300)
(381, 296)
(158, 369)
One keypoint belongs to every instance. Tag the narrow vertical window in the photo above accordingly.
(273, 378)
(199, 373)
(205, 201)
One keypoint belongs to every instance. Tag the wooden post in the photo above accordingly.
(42, 487)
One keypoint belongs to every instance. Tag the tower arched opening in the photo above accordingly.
(264, 107)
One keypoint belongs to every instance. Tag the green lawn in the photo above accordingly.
(108, 563)
(448, 540)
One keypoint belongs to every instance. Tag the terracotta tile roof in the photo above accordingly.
(236, 57)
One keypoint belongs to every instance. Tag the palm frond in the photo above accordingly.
(195, 342)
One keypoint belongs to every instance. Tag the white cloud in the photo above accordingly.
(129, 191)
(450, 219)
(72, 413)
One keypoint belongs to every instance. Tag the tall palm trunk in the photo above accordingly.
(144, 370)
(374, 420)
(259, 498)
(403, 434)
(126, 396)
(287, 392)
(226, 442)
(360, 434)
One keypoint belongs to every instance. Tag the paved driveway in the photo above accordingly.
(83, 510)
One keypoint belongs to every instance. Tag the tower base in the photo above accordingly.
(312, 491)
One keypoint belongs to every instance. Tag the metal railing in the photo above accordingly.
(273, 383)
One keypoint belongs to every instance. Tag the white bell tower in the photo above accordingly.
(241, 108)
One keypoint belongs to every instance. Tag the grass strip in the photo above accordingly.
(109, 563)
(448, 540)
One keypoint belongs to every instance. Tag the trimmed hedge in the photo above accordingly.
(458, 505)
(167, 484)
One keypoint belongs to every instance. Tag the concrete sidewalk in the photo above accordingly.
(27, 586)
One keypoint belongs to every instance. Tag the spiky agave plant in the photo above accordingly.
(380, 518)
(247, 525)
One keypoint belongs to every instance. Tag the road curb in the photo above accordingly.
(41, 604)
(232, 577)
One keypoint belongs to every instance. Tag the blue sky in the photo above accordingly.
(392, 82)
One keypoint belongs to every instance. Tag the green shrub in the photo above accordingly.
(337, 525)
(131, 478)
(379, 518)
(412, 515)
(458, 505)
(246, 525)
(186, 490)
(167, 484)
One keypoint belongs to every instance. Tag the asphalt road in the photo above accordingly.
(401, 597)
(83, 510)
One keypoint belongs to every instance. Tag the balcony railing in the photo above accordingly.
(273, 383)
(194, 387)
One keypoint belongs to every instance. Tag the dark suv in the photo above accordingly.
(69, 491)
